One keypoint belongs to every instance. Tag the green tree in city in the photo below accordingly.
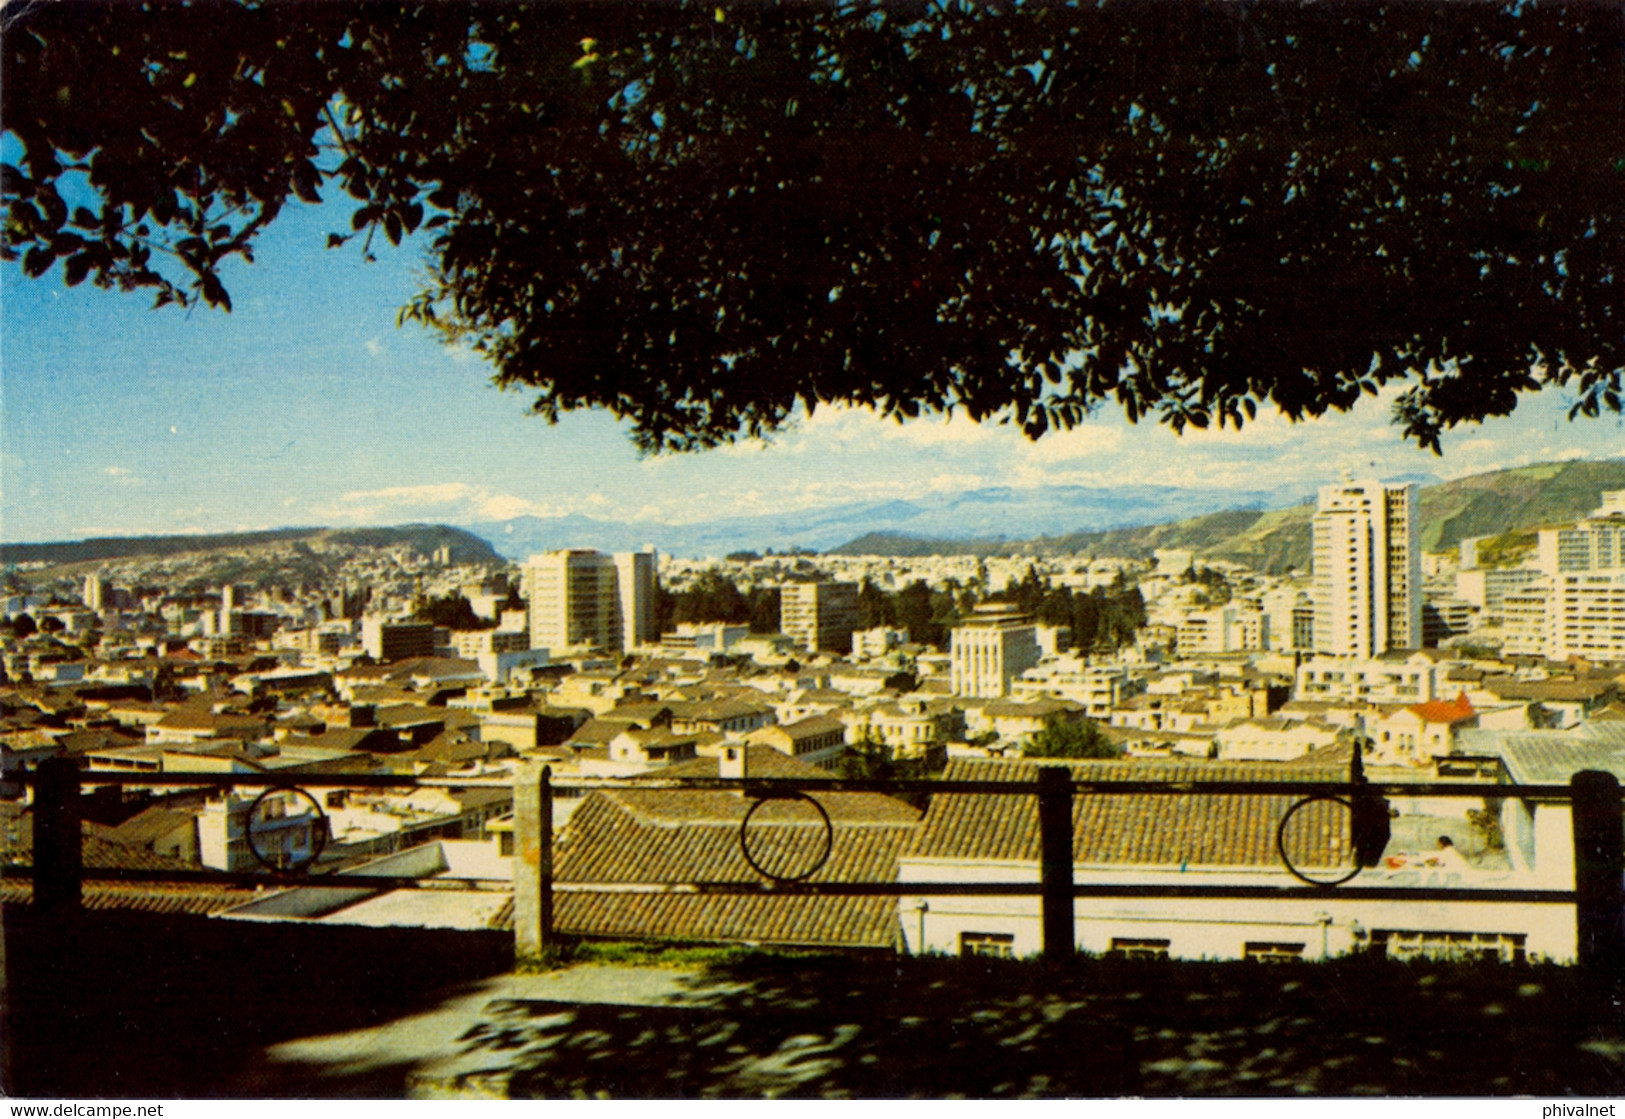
(453, 611)
(1063, 739)
(916, 613)
(875, 606)
(711, 597)
(765, 609)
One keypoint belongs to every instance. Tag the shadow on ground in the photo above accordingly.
(933, 1028)
(132, 1005)
(124, 1004)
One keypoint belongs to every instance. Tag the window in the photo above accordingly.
(1000, 945)
(1272, 952)
(1139, 948)
(1409, 944)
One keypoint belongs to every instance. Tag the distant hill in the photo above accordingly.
(1481, 505)
(424, 539)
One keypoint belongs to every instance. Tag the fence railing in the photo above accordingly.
(1597, 809)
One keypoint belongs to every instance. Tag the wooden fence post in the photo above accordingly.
(533, 862)
(58, 858)
(1055, 862)
(1599, 872)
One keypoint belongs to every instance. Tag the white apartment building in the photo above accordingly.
(1096, 689)
(872, 644)
(1367, 570)
(994, 646)
(1289, 614)
(1525, 620)
(1586, 568)
(582, 598)
(635, 577)
(1488, 587)
(471, 643)
(1396, 678)
(819, 616)
(1222, 629)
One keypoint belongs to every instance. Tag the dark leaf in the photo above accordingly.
(36, 262)
(75, 269)
(214, 292)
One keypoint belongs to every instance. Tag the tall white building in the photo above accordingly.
(581, 598)
(1586, 598)
(1367, 570)
(635, 576)
(991, 648)
(96, 592)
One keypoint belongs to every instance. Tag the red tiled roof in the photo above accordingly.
(688, 835)
(1141, 829)
(147, 897)
(1444, 710)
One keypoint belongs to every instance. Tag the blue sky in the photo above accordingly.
(307, 405)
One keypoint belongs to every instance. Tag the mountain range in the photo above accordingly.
(971, 518)
(1265, 528)
(1482, 505)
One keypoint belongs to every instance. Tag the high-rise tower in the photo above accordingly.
(1367, 570)
(580, 598)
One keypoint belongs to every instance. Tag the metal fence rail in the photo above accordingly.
(1598, 816)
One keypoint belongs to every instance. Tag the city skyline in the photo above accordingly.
(307, 405)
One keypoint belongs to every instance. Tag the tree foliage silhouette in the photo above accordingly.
(702, 216)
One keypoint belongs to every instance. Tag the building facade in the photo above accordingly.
(994, 646)
(582, 598)
(1586, 568)
(1367, 570)
(386, 641)
(819, 616)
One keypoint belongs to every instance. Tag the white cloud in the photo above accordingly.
(453, 501)
(1080, 442)
(374, 346)
(121, 476)
(950, 483)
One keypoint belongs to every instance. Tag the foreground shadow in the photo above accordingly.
(149, 1006)
(939, 1028)
(124, 1004)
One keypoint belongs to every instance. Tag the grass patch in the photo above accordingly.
(675, 957)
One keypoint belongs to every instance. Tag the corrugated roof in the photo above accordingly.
(1552, 757)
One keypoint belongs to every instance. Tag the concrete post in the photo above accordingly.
(533, 861)
(58, 859)
(1599, 872)
(1055, 862)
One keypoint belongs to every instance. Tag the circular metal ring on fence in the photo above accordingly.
(319, 837)
(787, 794)
(1280, 842)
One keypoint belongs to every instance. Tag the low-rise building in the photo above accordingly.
(1416, 734)
(912, 726)
(817, 739)
(1274, 739)
(1398, 677)
(1141, 840)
